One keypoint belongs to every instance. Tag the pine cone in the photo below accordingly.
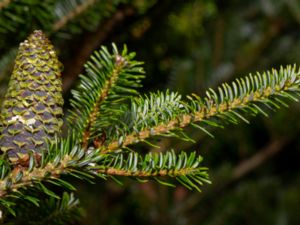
(31, 114)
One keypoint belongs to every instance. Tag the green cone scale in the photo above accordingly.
(31, 113)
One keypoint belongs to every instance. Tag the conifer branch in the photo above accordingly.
(47, 210)
(247, 94)
(185, 168)
(145, 174)
(184, 121)
(31, 176)
(92, 41)
(16, 16)
(263, 155)
(77, 10)
(119, 65)
(110, 79)
(105, 104)
(63, 210)
(63, 157)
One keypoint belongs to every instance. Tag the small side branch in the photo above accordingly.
(184, 121)
(249, 95)
(258, 159)
(35, 175)
(102, 96)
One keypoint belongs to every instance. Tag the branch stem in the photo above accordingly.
(119, 64)
(49, 171)
(204, 113)
(158, 173)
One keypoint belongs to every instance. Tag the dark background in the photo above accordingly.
(187, 47)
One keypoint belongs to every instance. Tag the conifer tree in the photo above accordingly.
(106, 116)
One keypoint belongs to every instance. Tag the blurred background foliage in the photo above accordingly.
(187, 47)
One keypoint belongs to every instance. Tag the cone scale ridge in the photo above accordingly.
(31, 113)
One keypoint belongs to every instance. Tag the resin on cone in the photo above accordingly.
(31, 113)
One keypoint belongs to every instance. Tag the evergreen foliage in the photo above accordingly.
(104, 104)
(50, 210)
(110, 80)
(107, 118)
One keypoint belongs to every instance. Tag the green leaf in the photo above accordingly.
(48, 192)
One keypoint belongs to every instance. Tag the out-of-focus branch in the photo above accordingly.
(238, 173)
(258, 159)
(119, 19)
(257, 48)
(91, 42)
(71, 15)
(4, 3)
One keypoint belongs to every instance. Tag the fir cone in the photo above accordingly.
(31, 114)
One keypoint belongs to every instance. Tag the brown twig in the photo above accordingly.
(159, 173)
(121, 19)
(37, 174)
(258, 159)
(258, 47)
(186, 119)
(238, 173)
(71, 15)
(92, 41)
